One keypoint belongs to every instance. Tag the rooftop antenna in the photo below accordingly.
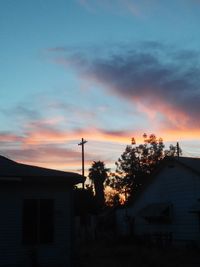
(82, 143)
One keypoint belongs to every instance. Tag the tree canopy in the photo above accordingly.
(137, 162)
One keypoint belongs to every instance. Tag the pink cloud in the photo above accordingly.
(54, 148)
(9, 137)
(50, 147)
(49, 156)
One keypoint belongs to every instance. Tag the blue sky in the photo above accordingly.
(102, 70)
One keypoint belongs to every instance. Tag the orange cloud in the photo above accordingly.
(163, 115)
(177, 135)
(9, 137)
(44, 144)
(44, 132)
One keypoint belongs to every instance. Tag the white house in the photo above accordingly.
(168, 207)
(36, 227)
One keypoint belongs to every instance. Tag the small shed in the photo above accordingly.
(36, 215)
(167, 209)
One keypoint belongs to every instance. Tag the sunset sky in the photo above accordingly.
(104, 70)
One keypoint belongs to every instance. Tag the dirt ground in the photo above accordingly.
(126, 254)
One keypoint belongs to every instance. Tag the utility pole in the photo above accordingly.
(178, 149)
(82, 145)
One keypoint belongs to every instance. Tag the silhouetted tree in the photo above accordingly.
(135, 165)
(112, 199)
(98, 174)
(173, 151)
(84, 201)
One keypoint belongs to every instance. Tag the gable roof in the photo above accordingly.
(14, 171)
(192, 164)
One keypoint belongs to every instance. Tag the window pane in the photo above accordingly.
(30, 219)
(46, 220)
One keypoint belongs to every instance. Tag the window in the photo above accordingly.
(38, 221)
(157, 213)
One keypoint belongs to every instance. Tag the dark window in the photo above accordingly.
(30, 218)
(163, 218)
(46, 220)
(38, 221)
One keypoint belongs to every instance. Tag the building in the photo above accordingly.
(167, 210)
(36, 220)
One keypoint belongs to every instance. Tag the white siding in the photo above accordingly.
(179, 186)
(12, 251)
(123, 228)
(9, 228)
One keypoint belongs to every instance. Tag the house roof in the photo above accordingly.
(13, 171)
(192, 164)
(195, 208)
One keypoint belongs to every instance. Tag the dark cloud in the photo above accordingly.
(156, 76)
(114, 133)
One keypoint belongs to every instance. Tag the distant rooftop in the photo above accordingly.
(13, 169)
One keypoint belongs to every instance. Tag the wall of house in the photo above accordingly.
(179, 186)
(12, 251)
(122, 222)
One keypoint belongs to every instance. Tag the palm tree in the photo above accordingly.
(97, 174)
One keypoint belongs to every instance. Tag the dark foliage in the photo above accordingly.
(98, 174)
(84, 201)
(136, 164)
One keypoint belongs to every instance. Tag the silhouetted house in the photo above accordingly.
(35, 215)
(168, 207)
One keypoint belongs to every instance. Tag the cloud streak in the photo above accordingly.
(48, 146)
(137, 8)
(161, 81)
(159, 84)
(133, 7)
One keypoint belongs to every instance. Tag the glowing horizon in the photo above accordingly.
(103, 70)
